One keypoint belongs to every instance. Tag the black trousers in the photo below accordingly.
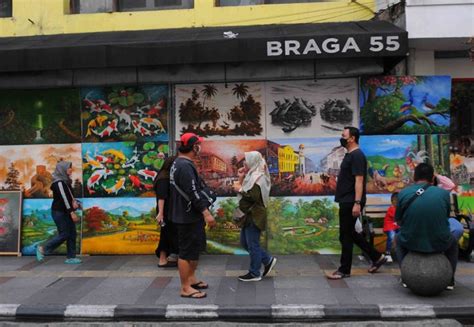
(348, 236)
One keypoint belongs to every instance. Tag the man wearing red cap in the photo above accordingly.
(189, 211)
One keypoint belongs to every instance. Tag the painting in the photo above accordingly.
(405, 105)
(38, 227)
(40, 116)
(306, 166)
(466, 205)
(215, 111)
(310, 108)
(392, 159)
(10, 216)
(122, 168)
(303, 225)
(219, 161)
(462, 109)
(123, 113)
(29, 168)
(119, 226)
(462, 164)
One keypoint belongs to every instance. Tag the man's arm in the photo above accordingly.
(359, 187)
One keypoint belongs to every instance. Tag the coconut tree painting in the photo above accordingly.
(405, 105)
(216, 111)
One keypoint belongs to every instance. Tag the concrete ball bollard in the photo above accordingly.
(426, 274)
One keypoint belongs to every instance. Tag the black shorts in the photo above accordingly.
(191, 240)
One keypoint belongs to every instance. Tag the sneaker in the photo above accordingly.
(451, 285)
(269, 267)
(249, 278)
(39, 255)
(389, 258)
(73, 261)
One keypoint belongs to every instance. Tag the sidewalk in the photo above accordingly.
(133, 288)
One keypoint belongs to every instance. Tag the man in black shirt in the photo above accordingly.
(350, 194)
(189, 212)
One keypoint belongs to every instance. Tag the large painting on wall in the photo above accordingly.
(125, 113)
(122, 168)
(40, 116)
(119, 226)
(38, 226)
(219, 161)
(10, 216)
(308, 108)
(216, 111)
(306, 166)
(303, 225)
(29, 168)
(392, 159)
(405, 105)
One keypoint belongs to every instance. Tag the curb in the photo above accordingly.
(184, 312)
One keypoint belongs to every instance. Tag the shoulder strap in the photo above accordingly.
(415, 196)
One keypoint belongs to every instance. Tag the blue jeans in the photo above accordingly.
(456, 228)
(250, 241)
(390, 238)
(66, 232)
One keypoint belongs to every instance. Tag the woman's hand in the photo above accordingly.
(75, 205)
(74, 217)
(159, 218)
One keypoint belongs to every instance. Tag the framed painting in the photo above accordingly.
(10, 221)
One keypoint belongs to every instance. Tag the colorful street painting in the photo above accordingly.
(38, 227)
(392, 159)
(40, 116)
(10, 216)
(379, 203)
(462, 164)
(405, 105)
(219, 161)
(466, 205)
(29, 168)
(216, 111)
(300, 225)
(308, 108)
(225, 237)
(119, 226)
(125, 113)
(121, 168)
(304, 166)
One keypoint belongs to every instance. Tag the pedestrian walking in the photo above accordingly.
(189, 211)
(254, 196)
(167, 250)
(63, 212)
(351, 196)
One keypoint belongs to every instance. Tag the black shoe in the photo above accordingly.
(249, 278)
(451, 285)
(269, 267)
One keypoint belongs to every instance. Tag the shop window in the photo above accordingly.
(5, 8)
(229, 3)
(92, 6)
(140, 5)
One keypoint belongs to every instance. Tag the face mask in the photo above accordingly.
(343, 141)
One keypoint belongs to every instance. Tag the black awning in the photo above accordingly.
(204, 45)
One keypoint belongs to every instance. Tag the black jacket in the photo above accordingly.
(62, 197)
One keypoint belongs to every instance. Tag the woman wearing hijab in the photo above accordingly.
(253, 198)
(167, 247)
(63, 213)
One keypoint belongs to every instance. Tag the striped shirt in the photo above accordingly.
(62, 197)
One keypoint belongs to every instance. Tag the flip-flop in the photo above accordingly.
(337, 275)
(375, 266)
(192, 295)
(200, 285)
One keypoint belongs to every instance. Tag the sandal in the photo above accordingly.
(193, 295)
(337, 275)
(168, 265)
(200, 286)
(376, 265)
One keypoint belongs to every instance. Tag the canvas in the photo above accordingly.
(38, 227)
(122, 168)
(29, 168)
(119, 226)
(310, 108)
(219, 161)
(303, 225)
(215, 111)
(40, 116)
(466, 205)
(124, 113)
(405, 104)
(306, 166)
(392, 159)
(10, 216)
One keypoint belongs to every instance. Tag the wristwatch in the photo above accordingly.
(357, 201)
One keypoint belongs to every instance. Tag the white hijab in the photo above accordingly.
(258, 174)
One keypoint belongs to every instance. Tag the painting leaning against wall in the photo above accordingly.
(10, 217)
(40, 116)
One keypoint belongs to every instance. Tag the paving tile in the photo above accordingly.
(317, 282)
(304, 296)
(17, 290)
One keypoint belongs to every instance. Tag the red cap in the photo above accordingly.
(189, 139)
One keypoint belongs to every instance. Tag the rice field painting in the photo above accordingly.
(38, 226)
(300, 225)
(119, 226)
